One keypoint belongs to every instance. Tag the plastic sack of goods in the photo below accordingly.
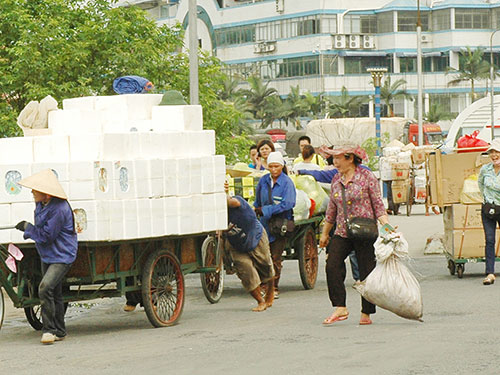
(302, 206)
(314, 190)
(391, 285)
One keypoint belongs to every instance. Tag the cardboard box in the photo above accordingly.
(400, 171)
(418, 154)
(400, 191)
(448, 172)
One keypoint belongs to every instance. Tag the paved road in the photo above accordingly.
(459, 335)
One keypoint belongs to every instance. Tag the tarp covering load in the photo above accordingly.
(131, 85)
(391, 285)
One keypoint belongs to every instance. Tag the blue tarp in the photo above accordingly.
(130, 85)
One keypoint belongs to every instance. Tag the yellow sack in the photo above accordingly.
(470, 192)
(313, 190)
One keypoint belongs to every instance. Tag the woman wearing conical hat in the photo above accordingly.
(55, 239)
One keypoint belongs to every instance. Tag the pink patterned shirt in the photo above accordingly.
(363, 199)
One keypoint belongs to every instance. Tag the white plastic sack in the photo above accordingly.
(302, 206)
(35, 115)
(391, 285)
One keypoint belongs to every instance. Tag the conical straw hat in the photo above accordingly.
(44, 182)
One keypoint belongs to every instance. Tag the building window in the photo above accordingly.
(385, 22)
(435, 64)
(358, 65)
(407, 21)
(441, 20)
(408, 64)
(360, 24)
(472, 19)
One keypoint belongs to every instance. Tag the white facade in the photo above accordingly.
(322, 45)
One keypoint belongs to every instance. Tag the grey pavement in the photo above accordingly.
(459, 334)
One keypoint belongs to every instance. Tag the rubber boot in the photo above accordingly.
(256, 293)
(270, 293)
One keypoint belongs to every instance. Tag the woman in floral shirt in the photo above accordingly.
(363, 199)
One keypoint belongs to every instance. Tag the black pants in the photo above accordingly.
(394, 207)
(338, 249)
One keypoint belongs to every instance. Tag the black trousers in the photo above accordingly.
(338, 249)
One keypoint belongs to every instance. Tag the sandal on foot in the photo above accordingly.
(335, 318)
(365, 321)
(488, 280)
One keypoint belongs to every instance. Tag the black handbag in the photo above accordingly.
(359, 228)
(280, 226)
(491, 211)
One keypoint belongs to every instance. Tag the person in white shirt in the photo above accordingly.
(308, 154)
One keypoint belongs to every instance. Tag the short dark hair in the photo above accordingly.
(307, 151)
(304, 138)
(357, 160)
(263, 142)
(253, 147)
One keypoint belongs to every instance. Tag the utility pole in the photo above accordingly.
(193, 53)
(419, 77)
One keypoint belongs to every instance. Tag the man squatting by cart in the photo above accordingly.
(55, 239)
(248, 245)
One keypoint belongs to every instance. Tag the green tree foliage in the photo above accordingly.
(344, 105)
(437, 113)
(393, 91)
(70, 48)
(370, 146)
(472, 69)
(259, 97)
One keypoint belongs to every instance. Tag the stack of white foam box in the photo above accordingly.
(131, 169)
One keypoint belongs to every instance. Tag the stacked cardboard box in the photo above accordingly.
(131, 169)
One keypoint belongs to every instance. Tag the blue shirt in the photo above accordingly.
(244, 230)
(54, 232)
(325, 176)
(253, 166)
(489, 184)
(283, 199)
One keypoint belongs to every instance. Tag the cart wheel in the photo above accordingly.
(212, 283)
(409, 203)
(308, 258)
(460, 270)
(162, 288)
(452, 267)
(33, 313)
(2, 308)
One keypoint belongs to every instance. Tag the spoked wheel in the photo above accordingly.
(212, 283)
(409, 203)
(2, 307)
(33, 313)
(451, 267)
(308, 258)
(162, 288)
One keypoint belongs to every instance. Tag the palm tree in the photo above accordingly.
(344, 105)
(437, 113)
(297, 105)
(315, 104)
(257, 96)
(472, 68)
(229, 91)
(393, 91)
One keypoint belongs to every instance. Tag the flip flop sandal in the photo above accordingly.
(365, 322)
(332, 319)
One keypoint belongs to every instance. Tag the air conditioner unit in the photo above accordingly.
(339, 41)
(368, 41)
(264, 47)
(426, 38)
(354, 41)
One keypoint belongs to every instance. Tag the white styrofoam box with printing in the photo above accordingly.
(219, 172)
(207, 175)
(156, 177)
(195, 175)
(5, 220)
(172, 210)
(19, 149)
(91, 220)
(142, 177)
(221, 208)
(81, 190)
(10, 190)
(124, 183)
(186, 214)
(54, 148)
(177, 117)
(61, 170)
(144, 218)
(116, 220)
(170, 187)
(20, 211)
(103, 179)
(80, 171)
(158, 217)
(139, 106)
(183, 177)
(209, 213)
(85, 147)
(155, 145)
(83, 103)
(114, 127)
(139, 126)
(119, 147)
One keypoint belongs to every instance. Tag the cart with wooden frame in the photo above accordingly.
(153, 268)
